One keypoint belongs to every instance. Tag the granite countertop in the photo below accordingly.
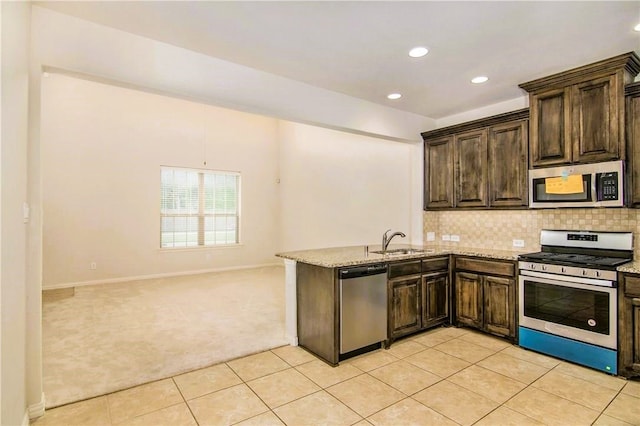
(630, 268)
(336, 257)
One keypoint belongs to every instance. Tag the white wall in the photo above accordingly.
(13, 231)
(486, 111)
(342, 189)
(82, 46)
(102, 147)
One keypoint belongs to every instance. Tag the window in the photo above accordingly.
(199, 207)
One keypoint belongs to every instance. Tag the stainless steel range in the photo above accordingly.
(568, 304)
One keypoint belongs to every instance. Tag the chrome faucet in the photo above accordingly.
(386, 240)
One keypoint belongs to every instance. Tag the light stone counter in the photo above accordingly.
(338, 257)
(630, 268)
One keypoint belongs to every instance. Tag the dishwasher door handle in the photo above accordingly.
(363, 271)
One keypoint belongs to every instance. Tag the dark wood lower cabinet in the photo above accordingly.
(483, 301)
(629, 326)
(469, 299)
(405, 305)
(420, 296)
(435, 299)
(499, 305)
(318, 316)
(420, 300)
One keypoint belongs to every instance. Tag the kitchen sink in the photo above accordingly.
(399, 251)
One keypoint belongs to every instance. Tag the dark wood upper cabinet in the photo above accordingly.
(479, 164)
(577, 116)
(471, 169)
(633, 143)
(438, 173)
(550, 127)
(507, 144)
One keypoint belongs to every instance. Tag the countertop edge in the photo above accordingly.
(629, 268)
(338, 257)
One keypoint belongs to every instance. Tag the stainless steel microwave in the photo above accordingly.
(579, 185)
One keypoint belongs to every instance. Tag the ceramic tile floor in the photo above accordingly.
(446, 376)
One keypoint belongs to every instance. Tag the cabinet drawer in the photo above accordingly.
(632, 286)
(439, 264)
(485, 266)
(405, 268)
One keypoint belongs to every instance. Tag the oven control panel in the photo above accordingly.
(607, 186)
(582, 237)
(608, 277)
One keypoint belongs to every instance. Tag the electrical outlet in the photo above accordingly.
(455, 238)
(93, 265)
(518, 243)
(446, 237)
(26, 212)
(431, 236)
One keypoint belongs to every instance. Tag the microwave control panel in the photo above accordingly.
(607, 186)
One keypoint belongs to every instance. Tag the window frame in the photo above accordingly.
(201, 214)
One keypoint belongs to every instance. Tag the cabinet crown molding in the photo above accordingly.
(630, 62)
(521, 114)
(632, 89)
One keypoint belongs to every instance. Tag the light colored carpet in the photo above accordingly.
(113, 336)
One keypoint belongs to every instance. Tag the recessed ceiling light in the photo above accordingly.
(637, 28)
(394, 96)
(418, 52)
(479, 79)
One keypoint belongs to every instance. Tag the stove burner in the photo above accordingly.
(584, 250)
(574, 259)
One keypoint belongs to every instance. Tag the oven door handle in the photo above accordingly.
(568, 278)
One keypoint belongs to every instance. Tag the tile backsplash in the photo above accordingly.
(496, 229)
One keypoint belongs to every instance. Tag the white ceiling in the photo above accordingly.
(360, 48)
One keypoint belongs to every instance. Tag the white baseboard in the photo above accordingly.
(152, 276)
(292, 340)
(36, 410)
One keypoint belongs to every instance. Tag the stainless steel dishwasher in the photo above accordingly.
(363, 306)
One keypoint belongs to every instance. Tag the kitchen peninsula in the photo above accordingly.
(418, 291)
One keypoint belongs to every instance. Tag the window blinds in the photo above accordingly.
(199, 207)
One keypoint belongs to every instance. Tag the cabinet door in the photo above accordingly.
(629, 326)
(471, 169)
(635, 303)
(404, 312)
(595, 121)
(499, 306)
(550, 127)
(633, 145)
(435, 299)
(508, 164)
(469, 299)
(438, 173)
